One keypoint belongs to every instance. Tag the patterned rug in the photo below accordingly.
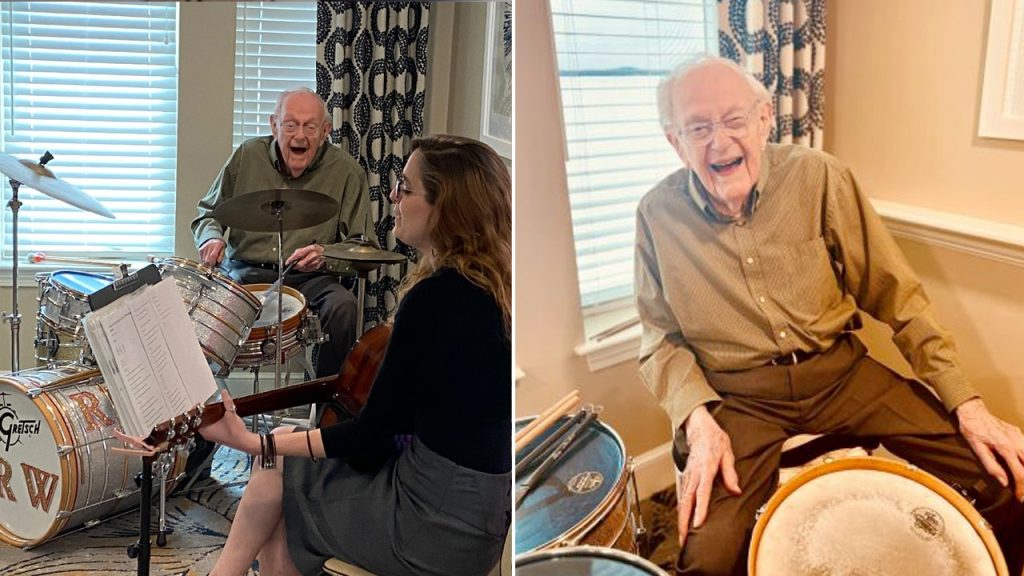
(200, 520)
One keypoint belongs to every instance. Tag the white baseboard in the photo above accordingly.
(654, 470)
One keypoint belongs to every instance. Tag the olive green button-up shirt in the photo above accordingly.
(255, 166)
(723, 295)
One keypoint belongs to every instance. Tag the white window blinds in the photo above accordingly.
(94, 83)
(275, 49)
(611, 55)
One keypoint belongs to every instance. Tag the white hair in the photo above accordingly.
(668, 83)
(301, 90)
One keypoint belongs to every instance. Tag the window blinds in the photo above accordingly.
(275, 49)
(611, 55)
(94, 83)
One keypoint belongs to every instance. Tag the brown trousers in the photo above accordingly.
(840, 391)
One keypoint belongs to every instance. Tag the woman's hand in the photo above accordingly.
(230, 430)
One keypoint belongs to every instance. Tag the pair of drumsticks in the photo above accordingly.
(567, 433)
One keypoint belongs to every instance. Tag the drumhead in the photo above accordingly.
(83, 283)
(584, 561)
(292, 304)
(580, 485)
(871, 516)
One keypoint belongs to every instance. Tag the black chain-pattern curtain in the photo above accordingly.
(783, 43)
(371, 70)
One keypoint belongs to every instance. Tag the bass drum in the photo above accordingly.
(871, 516)
(584, 561)
(583, 499)
(57, 470)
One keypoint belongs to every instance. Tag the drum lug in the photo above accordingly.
(63, 514)
(64, 450)
(33, 392)
(639, 529)
(760, 511)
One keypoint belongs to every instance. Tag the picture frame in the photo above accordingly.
(496, 102)
(1001, 112)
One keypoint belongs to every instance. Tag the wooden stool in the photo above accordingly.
(335, 567)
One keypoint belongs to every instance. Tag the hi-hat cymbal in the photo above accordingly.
(359, 250)
(38, 177)
(276, 209)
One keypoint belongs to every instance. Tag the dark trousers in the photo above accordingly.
(334, 304)
(841, 391)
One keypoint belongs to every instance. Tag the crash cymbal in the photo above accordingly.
(359, 250)
(38, 177)
(260, 211)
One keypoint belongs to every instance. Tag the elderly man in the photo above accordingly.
(297, 156)
(752, 266)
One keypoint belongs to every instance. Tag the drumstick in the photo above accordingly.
(555, 436)
(543, 415)
(543, 424)
(276, 286)
(37, 257)
(534, 479)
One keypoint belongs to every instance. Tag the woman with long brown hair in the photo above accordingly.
(442, 504)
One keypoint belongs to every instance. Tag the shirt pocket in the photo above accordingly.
(800, 278)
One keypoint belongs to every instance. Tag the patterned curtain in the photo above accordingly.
(783, 43)
(371, 70)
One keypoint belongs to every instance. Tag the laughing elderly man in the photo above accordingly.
(752, 266)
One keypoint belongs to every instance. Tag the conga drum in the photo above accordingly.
(584, 561)
(583, 499)
(868, 515)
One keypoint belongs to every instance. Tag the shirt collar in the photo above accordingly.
(275, 159)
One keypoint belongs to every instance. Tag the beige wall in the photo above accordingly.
(547, 311)
(903, 90)
(902, 85)
(205, 102)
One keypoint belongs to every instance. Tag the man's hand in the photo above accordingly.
(211, 252)
(710, 453)
(988, 436)
(308, 258)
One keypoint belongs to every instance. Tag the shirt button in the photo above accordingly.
(761, 299)
(750, 260)
(782, 334)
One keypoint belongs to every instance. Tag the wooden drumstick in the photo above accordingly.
(542, 424)
(536, 421)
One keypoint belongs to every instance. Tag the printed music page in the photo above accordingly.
(150, 357)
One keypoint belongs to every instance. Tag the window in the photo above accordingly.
(275, 49)
(95, 84)
(611, 55)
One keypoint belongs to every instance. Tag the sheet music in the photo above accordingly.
(149, 356)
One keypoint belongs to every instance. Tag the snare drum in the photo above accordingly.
(258, 350)
(871, 516)
(57, 470)
(583, 499)
(584, 561)
(63, 301)
(222, 311)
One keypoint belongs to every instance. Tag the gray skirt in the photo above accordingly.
(419, 514)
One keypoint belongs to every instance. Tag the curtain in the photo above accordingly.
(783, 43)
(371, 71)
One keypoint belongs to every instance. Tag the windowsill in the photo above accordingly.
(995, 241)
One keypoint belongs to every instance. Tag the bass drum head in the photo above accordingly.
(584, 561)
(580, 485)
(863, 516)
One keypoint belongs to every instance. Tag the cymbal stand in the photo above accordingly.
(363, 270)
(14, 318)
(277, 207)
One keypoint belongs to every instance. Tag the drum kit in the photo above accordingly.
(57, 467)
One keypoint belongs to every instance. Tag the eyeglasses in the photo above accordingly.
(404, 192)
(700, 133)
(290, 127)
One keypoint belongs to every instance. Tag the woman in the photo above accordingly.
(441, 505)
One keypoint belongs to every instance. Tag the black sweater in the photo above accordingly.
(446, 377)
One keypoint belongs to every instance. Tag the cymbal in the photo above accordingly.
(259, 211)
(38, 177)
(359, 250)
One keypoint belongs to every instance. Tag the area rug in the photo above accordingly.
(200, 520)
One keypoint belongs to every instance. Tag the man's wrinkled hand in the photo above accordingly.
(710, 454)
(989, 436)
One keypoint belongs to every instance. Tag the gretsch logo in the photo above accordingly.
(12, 428)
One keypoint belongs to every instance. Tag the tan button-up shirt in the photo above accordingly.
(719, 294)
